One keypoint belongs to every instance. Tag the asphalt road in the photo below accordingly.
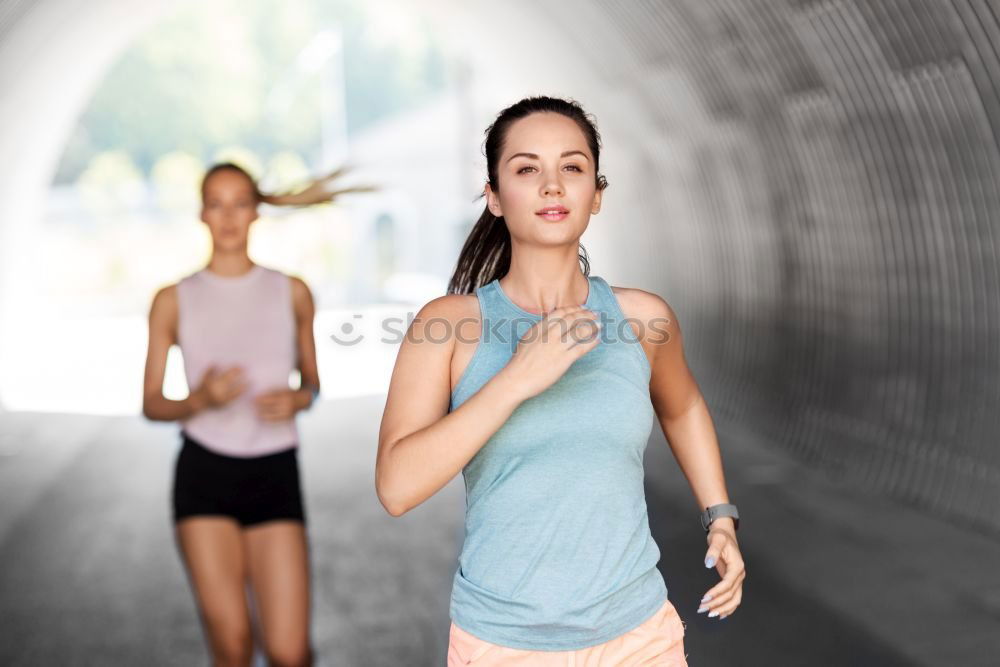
(89, 573)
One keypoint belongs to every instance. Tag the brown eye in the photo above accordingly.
(522, 169)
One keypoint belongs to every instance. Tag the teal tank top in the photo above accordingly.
(558, 553)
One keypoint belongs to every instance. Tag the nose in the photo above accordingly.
(552, 188)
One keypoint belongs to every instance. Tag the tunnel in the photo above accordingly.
(812, 185)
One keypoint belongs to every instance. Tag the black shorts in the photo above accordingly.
(251, 490)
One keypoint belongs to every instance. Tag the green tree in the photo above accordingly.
(209, 77)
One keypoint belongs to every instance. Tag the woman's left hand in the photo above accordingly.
(279, 405)
(724, 553)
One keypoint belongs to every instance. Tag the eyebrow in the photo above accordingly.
(533, 156)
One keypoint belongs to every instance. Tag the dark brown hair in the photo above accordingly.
(485, 256)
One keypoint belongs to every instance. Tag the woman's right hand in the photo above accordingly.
(547, 350)
(220, 387)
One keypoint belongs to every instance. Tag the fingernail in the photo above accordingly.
(701, 609)
(710, 561)
(713, 614)
(707, 597)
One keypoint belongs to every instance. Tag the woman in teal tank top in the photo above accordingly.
(544, 395)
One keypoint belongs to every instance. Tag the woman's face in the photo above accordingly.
(228, 207)
(546, 180)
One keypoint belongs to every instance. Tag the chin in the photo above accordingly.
(564, 231)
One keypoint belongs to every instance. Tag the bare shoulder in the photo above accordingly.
(298, 283)
(644, 306)
(454, 310)
(165, 300)
(652, 319)
(452, 304)
(164, 314)
(300, 290)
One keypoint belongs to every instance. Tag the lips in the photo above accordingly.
(553, 213)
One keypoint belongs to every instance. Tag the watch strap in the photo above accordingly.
(715, 511)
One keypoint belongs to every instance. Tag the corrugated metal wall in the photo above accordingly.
(839, 271)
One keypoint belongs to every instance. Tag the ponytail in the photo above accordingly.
(485, 255)
(318, 191)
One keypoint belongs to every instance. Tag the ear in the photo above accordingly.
(596, 208)
(493, 201)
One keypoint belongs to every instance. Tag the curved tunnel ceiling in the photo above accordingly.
(812, 185)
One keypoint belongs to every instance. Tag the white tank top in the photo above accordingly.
(245, 321)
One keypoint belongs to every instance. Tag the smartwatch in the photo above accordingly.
(715, 511)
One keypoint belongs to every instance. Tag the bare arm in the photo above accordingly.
(162, 335)
(681, 408)
(421, 445)
(305, 312)
(688, 427)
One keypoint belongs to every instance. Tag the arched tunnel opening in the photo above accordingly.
(812, 186)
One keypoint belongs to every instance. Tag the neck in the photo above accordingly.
(543, 279)
(230, 263)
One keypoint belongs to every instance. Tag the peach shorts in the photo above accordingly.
(658, 641)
